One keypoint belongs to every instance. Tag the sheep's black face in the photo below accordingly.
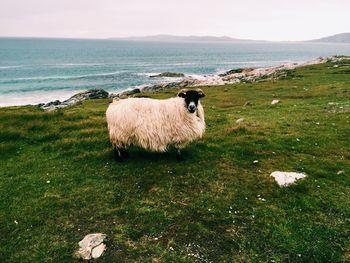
(191, 98)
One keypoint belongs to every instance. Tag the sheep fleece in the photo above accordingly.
(153, 124)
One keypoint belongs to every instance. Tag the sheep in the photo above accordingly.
(155, 124)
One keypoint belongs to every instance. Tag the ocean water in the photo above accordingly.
(41, 70)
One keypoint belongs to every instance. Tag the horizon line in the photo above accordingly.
(128, 38)
(170, 35)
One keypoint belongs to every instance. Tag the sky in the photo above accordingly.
(289, 20)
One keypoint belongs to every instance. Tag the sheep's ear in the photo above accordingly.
(200, 93)
(182, 93)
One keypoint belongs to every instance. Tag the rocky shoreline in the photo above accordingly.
(229, 77)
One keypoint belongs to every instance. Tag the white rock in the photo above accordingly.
(97, 251)
(91, 246)
(240, 120)
(286, 178)
(275, 102)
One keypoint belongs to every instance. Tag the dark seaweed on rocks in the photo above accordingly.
(168, 75)
(86, 95)
(234, 71)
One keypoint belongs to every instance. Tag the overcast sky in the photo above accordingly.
(251, 19)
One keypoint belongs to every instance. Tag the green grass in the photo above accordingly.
(59, 182)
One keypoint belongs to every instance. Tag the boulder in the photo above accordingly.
(240, 120)
(91, 246)
(52, 103)
(127, 92)
(286, 178)
(273, 102)
(247, 103)
(168, 75)
(86, 95)
(235, 71)
(187, 82)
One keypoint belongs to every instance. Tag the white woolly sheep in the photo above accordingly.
(154, 124)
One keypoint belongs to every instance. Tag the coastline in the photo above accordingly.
(229, 77)
(244, 75)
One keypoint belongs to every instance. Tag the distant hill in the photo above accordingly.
(338, 38)
(172, 38)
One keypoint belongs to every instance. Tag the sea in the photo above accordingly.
(35, 70)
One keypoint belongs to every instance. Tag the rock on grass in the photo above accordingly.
(286, 178)
(91, 246)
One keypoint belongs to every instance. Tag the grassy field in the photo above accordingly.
(59, 181)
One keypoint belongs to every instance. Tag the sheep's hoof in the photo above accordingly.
(179, 156)
(119, 159)
(124, 153)
(118, 155)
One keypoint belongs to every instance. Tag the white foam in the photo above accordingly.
(256, 62)
(75, 64)
(10, 67)
(179, 64)
(148, 74)
(64, 77)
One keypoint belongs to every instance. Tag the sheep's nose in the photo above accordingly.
(192, 108)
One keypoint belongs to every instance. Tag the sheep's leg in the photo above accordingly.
(179, 156)
(124, 153)
(118, 154)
